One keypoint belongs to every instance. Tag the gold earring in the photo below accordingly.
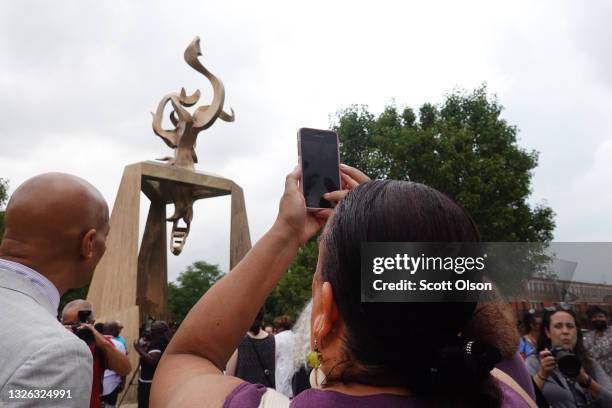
(317, 377)
(314, 360)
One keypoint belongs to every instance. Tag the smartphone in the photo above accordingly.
(319, 157)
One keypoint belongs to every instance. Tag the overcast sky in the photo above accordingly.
(79, 78)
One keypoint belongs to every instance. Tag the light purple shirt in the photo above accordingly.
(42, 283)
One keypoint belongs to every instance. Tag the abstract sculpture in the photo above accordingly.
(183, 138)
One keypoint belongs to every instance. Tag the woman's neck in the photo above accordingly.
(361, 390)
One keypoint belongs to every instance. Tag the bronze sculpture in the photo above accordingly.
(183, 138)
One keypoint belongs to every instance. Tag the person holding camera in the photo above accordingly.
(150, 348)
(55, 232)
(78, 316)
(562, 369)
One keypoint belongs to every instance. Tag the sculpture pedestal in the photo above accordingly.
(129, 285)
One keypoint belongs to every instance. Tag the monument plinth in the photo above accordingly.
(126, 277)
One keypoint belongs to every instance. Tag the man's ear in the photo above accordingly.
(325, 321)
(87, 244)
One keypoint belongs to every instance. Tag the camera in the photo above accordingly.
(567, 361)
(83, 333)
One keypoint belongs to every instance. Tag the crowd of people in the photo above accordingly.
(341, 352)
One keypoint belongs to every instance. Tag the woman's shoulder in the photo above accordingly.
(327, 398)
(248, 395)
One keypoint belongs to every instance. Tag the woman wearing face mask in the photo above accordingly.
(598, 341)
(556, 372)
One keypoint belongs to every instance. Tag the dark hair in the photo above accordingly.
(415, 345)
(545, 343)
(593, 310)
(283, 322)
(529, 318)
(256, 326)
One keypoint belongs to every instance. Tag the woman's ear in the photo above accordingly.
(328, 315)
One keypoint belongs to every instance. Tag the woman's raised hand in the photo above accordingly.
(293, 218)
(351, 178)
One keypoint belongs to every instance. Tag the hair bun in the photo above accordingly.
(463, 365)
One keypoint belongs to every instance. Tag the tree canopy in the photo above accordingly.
(190, 285)
(462, 147)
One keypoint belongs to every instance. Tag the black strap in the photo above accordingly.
(266, 371)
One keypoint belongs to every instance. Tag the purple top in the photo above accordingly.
(515, 367)
(249, 395)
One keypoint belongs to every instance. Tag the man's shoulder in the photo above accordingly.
(32, 328)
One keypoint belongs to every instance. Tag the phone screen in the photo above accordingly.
(320, 173)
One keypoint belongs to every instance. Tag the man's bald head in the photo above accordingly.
(71, 310)
(56, 221)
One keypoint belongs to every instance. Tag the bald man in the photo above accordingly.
(55, 233)
(105, 354)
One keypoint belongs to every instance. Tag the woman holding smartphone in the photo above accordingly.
(364, 354)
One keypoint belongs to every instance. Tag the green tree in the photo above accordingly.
(463, 148)
(190, 285)
(3, 198)
(294, 289)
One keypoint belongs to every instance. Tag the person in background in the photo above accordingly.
(254, 359)
(55, 232)
(118, 336)
(269, 329)
(282, 323)
(283, 366)
(99, 327)
(301, 348)
(105, 355)
(590, 386)
(150, 352)
(531, 323)
(113, 383)
(598, 341)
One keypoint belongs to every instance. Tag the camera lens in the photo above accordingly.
(567, 361)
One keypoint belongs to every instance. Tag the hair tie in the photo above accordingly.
(468, 347)
(460, 365)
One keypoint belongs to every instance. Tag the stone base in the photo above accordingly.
(129, 285)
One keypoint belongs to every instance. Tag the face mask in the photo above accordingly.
(600, 325)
